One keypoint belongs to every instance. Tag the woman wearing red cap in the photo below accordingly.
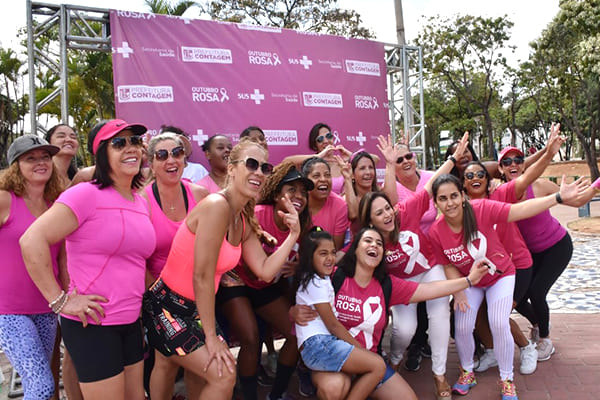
(108, 239)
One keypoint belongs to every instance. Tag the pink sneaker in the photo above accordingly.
(465, 382)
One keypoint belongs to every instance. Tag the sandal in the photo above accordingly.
(441, 388)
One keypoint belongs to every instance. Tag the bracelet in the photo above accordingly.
(58, 309)
(469, 281)
(558, 198)
(451, 158)
(57, 299)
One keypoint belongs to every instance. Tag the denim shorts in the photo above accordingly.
(389, 372)
(325, 353)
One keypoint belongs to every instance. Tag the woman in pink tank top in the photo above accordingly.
(27, 324)
(216, 149)
(179, 309)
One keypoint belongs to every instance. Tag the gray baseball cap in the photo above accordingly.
(26, 143)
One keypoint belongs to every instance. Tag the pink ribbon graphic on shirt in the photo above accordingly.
(414, 251)
(370, 318)
(479, 253)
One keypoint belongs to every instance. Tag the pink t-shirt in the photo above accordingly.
(405, 193)
(106, 254)
(362, 310)
(509, 232)
(337, 184)
(411, 255)
(448, 246)
(19, 295)
(209, 184)
(333, 217)
(164, 228)
(265, 215)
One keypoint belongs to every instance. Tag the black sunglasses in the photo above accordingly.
(407, 157)
(163, 154)
(507, 161)
(470, 175)
(252, 164)
(327, 136)
(120, 142)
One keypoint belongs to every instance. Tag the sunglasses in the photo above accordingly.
(252, 164)
(119, 143)
(407, 157)
(328, 136)
(470, 175)
(507, 161)
(163, 154)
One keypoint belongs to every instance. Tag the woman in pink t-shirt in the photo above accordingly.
(108, 239)
(362, 181)
(465, 234)
(27, 325)
(216, 149)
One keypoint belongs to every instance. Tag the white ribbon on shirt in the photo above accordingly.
(370, 318)
(479, 253)
(413, 251)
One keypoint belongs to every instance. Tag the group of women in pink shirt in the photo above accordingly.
(138, 246)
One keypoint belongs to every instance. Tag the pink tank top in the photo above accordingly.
(542, 231)
(19, 294)
(165, 230)
(178, 272)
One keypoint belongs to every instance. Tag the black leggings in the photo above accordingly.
(547, 267)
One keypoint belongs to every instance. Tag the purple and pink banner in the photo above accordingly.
(210, 77)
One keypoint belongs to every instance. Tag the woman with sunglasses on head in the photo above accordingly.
(216, 149)
(240, 302)
(179, 308)
(476, 183)
(327, 209)
(464, 235)
(108, 236)
(27, 325)
(547, 240)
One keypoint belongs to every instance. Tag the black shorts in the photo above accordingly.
(257, 297)
(102, 351)
(172, 322)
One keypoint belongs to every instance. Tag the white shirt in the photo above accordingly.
(319, 290)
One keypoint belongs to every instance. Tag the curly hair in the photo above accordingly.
(236, 155)
(12, 180)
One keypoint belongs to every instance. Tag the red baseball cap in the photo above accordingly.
(112, 128)
(507, 150)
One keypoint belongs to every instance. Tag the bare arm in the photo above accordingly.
(5, 202)
(349, 194)
(326, 153)
(432, 290)
(199, 192)
(334, 326)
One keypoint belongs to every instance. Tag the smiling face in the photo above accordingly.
(514, 170)
(382, 215)
(321, 177)
(66, 139)
(36, 166)
(324, 138)
(475, 181)
(297, 193)
(364, 173)
(125, 161)
(171, 169)
(407, 168)
(449, 201)
(248, 182)
(324, 258)
(218, 154)
(369, 251)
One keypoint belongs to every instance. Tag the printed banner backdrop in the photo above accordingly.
(210, 77)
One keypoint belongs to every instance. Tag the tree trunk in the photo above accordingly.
(490, 134)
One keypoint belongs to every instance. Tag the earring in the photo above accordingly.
(464, 204)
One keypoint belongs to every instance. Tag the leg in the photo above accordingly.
(394, 388)
(404, 325)
(464, 323)
(331, 385)
(69, 376)
(133, 377)
(111, 388)
(55, 363)
(371, 369)
(499, 297)
(162, 378)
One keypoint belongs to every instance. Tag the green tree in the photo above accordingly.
(467, 56)
(12, 102)
(320, 16)
(169, 7)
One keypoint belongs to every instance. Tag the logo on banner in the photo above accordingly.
(125, 50)
(206, 55)
(199, 137)
(145, 94)
(362, 67)
(366, 102)
(316, 99)
(263, 58)
(304, 61)
(160, 51)
(258, 28)
(281, 137)
(135, 14)
(256, 96)
(287, 97)
(332, 64)
(206, 94)
(360, 139)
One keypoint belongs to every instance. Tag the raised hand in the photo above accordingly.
(461, 147)
(290, 218)
(327, 153)
(387, 149)
(570, 192)
(345, 167)
(555, 140)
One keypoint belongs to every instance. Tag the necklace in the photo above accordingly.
(172, 207)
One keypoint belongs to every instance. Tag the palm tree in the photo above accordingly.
(167, 7)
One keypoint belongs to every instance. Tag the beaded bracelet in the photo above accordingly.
(56, 300)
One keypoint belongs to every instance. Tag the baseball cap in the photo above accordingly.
(28, 142)
(294, 175)
(507, 150)
(112, 128)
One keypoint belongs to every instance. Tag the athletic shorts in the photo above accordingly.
(257, 297)
(102, 351)
(172, 323)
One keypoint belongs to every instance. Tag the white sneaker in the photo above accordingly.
(545, 349)
(529, 359)
(486, 361)
(534, 334)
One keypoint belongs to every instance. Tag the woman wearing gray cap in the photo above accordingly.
(109, 237)
(27, 326)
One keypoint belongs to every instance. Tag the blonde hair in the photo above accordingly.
(152, 145)
(12, 180)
